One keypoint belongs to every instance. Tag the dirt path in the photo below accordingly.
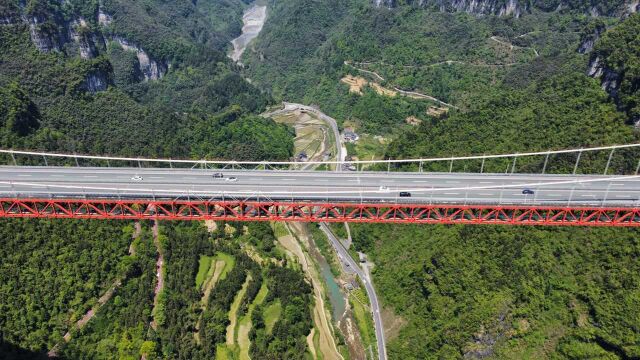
(384, 91)
(328, 347)
(233, 313)
(159, 273)
(209, 285)
(310, 344)
(102, 300)
(513, 47)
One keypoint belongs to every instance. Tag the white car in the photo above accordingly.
(383, 188)
(137, 178)
(231, 179)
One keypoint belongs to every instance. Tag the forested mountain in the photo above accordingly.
(123, 77)
(131, 78)
(437, 78)
(519, 8)
(550, 75)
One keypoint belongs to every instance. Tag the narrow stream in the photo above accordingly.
(336, 297)
(253, 19)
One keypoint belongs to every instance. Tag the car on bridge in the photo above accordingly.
(231, 179)
(528, 192)
(218, 176)
(137, 178)
(405, 194)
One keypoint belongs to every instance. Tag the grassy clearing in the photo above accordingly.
(359, 301)
(224, 353)
(271, 315)
(368, 147)
(233, 313)
(229, 261)
(244, 326)
(279, 230)
(204, 269)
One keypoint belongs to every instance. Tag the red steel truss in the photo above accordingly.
(317, 212)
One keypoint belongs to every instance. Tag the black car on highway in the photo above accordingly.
(405, 194)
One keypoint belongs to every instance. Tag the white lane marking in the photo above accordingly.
(452, 193)
(57, 175)
(288, 179)
(24, 175)
(486, 194)
(156, 177)
(420, 182)
(485, 182)
(90, 176)
(452, 182)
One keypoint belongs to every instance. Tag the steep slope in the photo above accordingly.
(521, 84)
(615, 62)
(519, 8)
(118, 77)
(307, 47)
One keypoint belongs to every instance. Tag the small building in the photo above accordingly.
(349, 136)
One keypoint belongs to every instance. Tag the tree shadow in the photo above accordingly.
(10, 351)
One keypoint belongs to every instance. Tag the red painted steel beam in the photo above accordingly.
(318, 212)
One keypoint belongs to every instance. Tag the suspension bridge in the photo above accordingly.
(601, 188)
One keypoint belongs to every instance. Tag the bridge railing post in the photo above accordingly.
(637, 168)
(482, 165)
(575, 167)
(45, 160)
(606, 169)
(546, 161)
(15, 163)
(513, 167)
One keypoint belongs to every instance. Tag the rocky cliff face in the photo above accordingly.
(610, 79)
(495, 7)
(96, 81)
(55, 31)
(150, 68)
(519, 7)
(614, 61)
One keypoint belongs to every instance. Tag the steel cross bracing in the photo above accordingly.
(317, 212)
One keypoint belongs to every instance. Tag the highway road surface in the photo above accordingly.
(376, 187)
(371, 293)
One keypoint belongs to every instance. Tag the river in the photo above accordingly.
(253, 20)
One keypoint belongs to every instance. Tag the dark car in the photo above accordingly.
(218, 176)
(405, 194)
(527, 192)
